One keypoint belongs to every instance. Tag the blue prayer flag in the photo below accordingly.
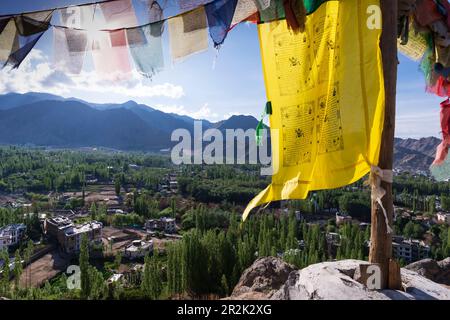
(220, 15)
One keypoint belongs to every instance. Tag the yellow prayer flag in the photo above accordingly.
(327, 93)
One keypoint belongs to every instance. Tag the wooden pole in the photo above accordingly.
(381, 241)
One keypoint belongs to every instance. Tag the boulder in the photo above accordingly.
(271, 278)
(435, 271)
(327, 281)
(264, 277)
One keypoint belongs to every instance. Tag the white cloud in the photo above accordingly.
(203, 113)
(37, 74)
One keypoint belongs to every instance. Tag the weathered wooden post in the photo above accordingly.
(381, 240)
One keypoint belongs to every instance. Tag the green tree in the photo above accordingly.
(431, 204)
(84, 267)
(291, 242)
(224, 285)
(117, 186)
(151, 285)
(408, 230)
(18, 269)
(5, 285)
(93, 211)
(117, 260)
(27, 257)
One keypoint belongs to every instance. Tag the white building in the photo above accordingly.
(342, 218)
(443, 217)
(73, 234)
(11, 235)
(164, 224)
(138, 249)
(409, 250)
(115, 278)
(69, 235)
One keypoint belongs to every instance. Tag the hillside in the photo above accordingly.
(415, 154)
(48, 120)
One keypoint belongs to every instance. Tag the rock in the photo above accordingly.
(444, 276)
(263, 278)
(435, 271)
(332, 281)
(328, 281)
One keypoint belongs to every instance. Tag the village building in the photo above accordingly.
(443, 217)
(115, 278)
(163, 224)
(11, 235)
(68, 235)
(342, 218)
(138, 249)
(410, 250)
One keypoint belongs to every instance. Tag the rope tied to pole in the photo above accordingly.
(376, 176)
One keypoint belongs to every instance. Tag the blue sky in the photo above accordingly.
(198, 87)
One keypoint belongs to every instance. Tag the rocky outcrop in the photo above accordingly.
(335, 281)
(436, 271)
(327, 281)
(262, 279)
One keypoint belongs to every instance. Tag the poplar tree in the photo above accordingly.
(5, 285)
(291, 241)
(84, 267)
(27, 256)
(151, 285)
(18, 269)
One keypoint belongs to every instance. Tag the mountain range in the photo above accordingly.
(48, 120)
(415, 154)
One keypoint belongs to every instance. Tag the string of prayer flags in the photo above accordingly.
(70, 44)
(441, 172)
(69, 49)
(118, 14)
(145, 45)
(109, 50)
(220, 15)
(33, 23)
(275, 11)
(111, 33)
(154, 11)
(29, 28)
(312, 5)
(25, 45)
(263, 4)
(426, 13)
(8, 39)
(244, 9)
(188, 34)
(442, 149)
(326, 90)
(4, 23)
(187, 5)
(295, 12)
(415, 48)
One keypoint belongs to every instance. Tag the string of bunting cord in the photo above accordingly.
(101, 2)
(57, 8)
